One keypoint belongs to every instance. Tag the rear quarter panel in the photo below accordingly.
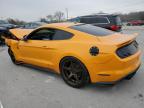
(81, 51)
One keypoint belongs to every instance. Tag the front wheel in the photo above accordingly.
(12, 56)
(73, 72)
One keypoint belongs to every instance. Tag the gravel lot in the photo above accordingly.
(29, 87)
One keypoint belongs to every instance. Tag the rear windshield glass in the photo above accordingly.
(93, 30)
(98, 20)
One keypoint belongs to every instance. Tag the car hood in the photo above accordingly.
(20, 33)
(117, 39)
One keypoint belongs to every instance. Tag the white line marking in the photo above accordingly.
(1, 106)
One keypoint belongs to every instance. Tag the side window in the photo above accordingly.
(97, 20)
(62, 35)
(43, 34)
(102, 20)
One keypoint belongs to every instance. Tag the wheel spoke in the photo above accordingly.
(76, 77)
(70, 76)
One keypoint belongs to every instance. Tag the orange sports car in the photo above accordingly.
(81, 53)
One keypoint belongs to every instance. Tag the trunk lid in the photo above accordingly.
(117, 39)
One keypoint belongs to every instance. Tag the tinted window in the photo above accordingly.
(93, 30)
(44, 34)
(61, 35)
(91, 20)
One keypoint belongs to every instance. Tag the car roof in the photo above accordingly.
(63, 25)
(95, 15)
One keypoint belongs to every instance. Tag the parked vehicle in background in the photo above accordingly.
(7, 25)
(108, 21)
(4, 27)
(135, 23)
(2, 30)
(32, 25)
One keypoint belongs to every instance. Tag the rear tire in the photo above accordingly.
(73, 72)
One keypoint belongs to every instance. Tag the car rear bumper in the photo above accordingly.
(122, 78)
(114, 70)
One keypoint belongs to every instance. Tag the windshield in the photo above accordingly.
(93, 30)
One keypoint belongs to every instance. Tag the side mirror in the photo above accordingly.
(25, 38)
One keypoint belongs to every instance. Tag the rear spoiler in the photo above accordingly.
(131, 39)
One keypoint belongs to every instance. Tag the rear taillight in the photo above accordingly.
(127, 50)
(115, 27)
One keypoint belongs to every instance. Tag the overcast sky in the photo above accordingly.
(32, 10)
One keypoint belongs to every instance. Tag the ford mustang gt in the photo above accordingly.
(81, 53)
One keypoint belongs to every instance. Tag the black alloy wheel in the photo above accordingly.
(11, 54)
(74, 72)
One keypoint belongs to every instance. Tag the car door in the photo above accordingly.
(43, 46)
(35, 48)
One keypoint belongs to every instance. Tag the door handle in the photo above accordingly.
(47, 47)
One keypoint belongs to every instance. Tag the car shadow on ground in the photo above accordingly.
(42, 70)
(97, 87)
